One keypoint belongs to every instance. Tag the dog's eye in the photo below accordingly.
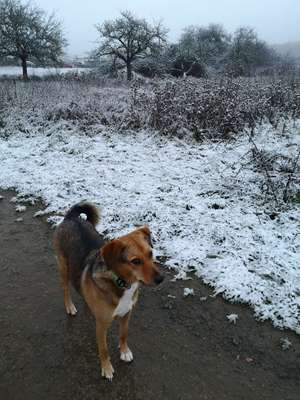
(136, 261)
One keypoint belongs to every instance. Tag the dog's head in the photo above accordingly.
(131, 257)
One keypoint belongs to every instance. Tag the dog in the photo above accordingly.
(106, 274)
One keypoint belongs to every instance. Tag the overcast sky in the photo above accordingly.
(276, 21)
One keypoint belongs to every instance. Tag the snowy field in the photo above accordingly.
(203, 202)
(40, 72)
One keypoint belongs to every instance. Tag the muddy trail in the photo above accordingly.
(184, 348)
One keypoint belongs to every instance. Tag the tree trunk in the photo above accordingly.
(24, 68)
(129, 71)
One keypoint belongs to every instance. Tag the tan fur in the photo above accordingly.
(129, 257)
(64, 278)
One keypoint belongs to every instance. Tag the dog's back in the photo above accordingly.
(75, 238)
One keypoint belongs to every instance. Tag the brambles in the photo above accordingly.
(205, 110)
(215, 109)
(202, 109)
(2, 123)
(75, 104)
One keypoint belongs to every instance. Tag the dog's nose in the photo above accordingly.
(158, 279)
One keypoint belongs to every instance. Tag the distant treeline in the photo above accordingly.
(27, 35)
(200, 51)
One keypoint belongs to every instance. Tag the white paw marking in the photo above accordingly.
(71, 309)
(107, 372)
(126, 356)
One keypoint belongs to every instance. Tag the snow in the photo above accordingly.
(171, 296)
(286, 344)
(188, 292)
(232, 318)
(20, 208)
(174, 187)
(38, 71)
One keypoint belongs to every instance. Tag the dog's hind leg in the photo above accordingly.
(64, 280)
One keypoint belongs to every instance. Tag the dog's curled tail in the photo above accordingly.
(89, 209)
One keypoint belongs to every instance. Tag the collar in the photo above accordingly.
(117, 280)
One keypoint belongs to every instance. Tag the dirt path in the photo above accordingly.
(184, 348)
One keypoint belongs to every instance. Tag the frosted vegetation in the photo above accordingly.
(201, 109)
(212, 166)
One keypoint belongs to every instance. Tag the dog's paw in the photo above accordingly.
(126, 356)
(107, 371)
(71, 309)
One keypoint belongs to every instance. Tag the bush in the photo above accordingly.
(213, 108)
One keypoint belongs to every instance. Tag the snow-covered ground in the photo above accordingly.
(205, 213)
(17, 71)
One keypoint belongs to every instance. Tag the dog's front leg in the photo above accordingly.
(107, 370)
(125, 352)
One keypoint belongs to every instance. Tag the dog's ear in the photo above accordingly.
(113, 252)
(147, 234)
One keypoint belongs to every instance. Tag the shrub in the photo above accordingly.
(212, 108)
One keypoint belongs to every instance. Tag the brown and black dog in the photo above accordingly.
(107, 275)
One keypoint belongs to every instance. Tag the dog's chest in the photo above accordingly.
(126, 301)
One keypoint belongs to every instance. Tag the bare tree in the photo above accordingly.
(207, 44)
(26, 33)
(248, 53)
(128, 38)
(198, 49)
